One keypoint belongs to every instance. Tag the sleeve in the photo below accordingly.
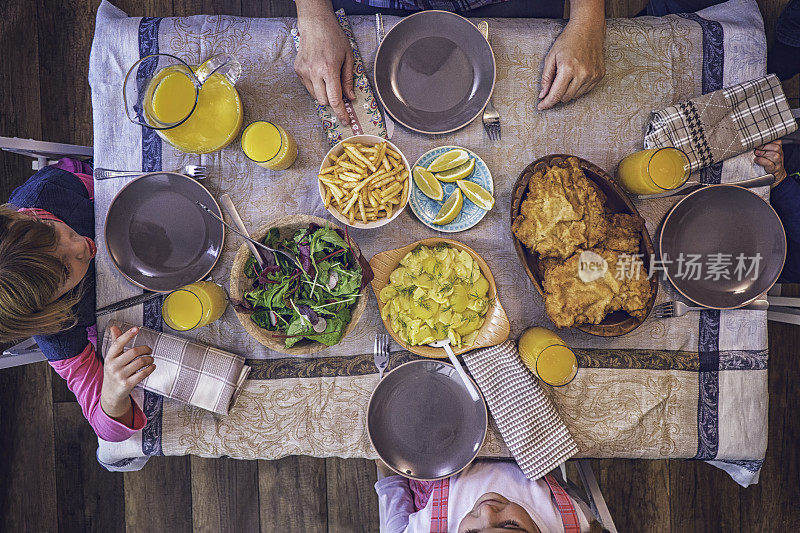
(84, 376)
(785, 199)
(395, 504)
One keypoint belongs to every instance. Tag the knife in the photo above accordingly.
(379, 38)
(750, 183)
(127, 302)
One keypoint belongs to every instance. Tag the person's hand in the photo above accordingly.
(770, 156)
(574, 64)
(324, 62)
(122, 371)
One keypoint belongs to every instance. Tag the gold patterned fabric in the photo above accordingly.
(668, 389)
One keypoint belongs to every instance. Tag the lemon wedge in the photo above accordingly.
(428, 184)
(477, 194)
(450, 209)
(458, 173)
(448, 160)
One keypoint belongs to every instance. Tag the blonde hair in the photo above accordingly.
(30, 276)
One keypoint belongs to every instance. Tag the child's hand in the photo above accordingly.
(770, 156)
(122, 371)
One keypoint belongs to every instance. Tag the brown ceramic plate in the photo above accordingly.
(434, 72)
(703, 224)
(415, 440)
(618, 322)
(158, 237)
(240, 283)
(495, 328)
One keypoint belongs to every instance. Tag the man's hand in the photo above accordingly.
(122, 371)
(770, 156)
(325, 60)
(575, 62)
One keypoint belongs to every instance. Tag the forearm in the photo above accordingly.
(310, 10)
(84, 376)
(587, 12)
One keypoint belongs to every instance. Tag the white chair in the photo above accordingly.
(43, 153)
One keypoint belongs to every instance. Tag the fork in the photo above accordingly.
(381, 352)
(491, 118)
(675, 308)
(193, 171)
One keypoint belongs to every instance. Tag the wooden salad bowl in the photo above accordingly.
(495, 328)
(241, 283)
(616, 323)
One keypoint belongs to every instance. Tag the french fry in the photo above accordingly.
(393, 153)
(327, 200)
(393, 189)
(404, 195)
(327, 170)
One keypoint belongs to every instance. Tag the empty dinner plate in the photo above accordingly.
(730, 227)
(422, 421)
(156, 234)
(434, 72)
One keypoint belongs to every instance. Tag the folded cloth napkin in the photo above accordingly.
(527, 419)
(186, 371)
(365, 116)
(719, 125)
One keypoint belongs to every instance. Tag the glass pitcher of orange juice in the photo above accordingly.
(196, 109)
(194, 306)
(548, 356)
(653, 171)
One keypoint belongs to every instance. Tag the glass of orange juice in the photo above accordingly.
(269, 145)
(194, 306)
(653, 171)
(548, 356)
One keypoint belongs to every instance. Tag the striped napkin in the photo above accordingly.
(719, 125)
(527, 419)
(365, 116)
(186, 371)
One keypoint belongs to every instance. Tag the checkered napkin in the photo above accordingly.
(527, 419)
(186, 371)
(719, 125)
(365, 116)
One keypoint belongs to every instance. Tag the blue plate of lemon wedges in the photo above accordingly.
(453, 189)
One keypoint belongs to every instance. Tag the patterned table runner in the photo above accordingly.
(693, 387)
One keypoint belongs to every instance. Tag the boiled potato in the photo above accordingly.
(436, 293)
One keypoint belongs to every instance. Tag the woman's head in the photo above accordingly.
(493, 512)
(40, 262)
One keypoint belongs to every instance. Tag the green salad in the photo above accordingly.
(313, 302)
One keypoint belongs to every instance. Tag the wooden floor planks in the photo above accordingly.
(50, 480)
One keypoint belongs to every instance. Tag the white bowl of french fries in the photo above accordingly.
(364, 181)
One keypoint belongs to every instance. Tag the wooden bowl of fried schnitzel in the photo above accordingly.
(551, 253)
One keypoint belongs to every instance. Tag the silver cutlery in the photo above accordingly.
(381, 352)
(675, 309)
(128, 302)
(193, 171)
(491, 118)
(750, 183)
(445, 343)
(250, 240)
(387, 120)
(228, 205)
(26, 347)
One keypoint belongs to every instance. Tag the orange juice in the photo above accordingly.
(548, 356)
(653, 171)
(212, 124)
(194, 306)
(269, 145)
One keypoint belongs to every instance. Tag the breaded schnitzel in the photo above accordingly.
(571, 301)
(624, 233)
(563, 211)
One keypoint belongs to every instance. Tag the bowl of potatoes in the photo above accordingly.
(437, 289)
(364, 181)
